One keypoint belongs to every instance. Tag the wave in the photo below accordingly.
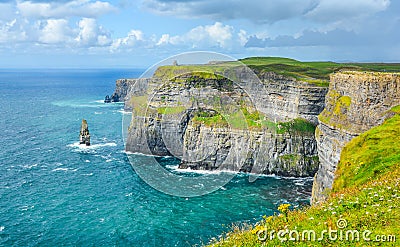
(30, 166)
(124, 112)
(76, 145)
(150, 155)
(87, 174)
(64, 169)
(298, 181)
(101, 101)
(2, 228)
(82, 104)
(176, 168)
(26, 208)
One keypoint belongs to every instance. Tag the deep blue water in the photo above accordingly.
(55, 193)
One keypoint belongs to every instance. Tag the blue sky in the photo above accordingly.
(123, 33)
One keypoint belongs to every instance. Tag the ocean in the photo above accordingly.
(54, 192)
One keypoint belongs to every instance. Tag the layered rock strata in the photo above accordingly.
(356, 102)
(207, 121)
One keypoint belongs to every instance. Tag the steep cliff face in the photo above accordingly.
(284, 98)
(356, 102)
(125, 88)
(267, 153)
(210, 122)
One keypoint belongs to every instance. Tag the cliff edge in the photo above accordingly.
(356, 102)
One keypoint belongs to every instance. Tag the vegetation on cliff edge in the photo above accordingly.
(254, 120)
(316, 73)
(362, 210)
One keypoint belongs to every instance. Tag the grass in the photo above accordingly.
(377, 151)
(297, 125)
(336, 116)
(170, 110)
(139, 103)
(253, 120)
(317, 70)
(365, 200)
(314, 73)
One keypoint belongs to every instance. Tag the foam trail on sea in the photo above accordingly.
(77, 104)
(124, 112)
(94, 146)
(64, 169)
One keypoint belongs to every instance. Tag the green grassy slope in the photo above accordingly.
(365, 201)
(316, 70)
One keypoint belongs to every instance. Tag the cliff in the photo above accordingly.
(356, 102)
(364, 199)
(261, 124)
(126, 88)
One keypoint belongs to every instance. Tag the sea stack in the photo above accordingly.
(84, 136)
(107, 99)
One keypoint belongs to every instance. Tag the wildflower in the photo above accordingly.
(258, 228)
(284, 207)
(268, 219)
(311, 218)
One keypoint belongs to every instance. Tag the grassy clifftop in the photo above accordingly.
(312, 72)
(316, 70)
(362, 210)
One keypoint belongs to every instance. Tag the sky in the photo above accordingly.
(138, 34)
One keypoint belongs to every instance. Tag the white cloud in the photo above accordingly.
(243, 37)
(90, 34)
(216, 35)
(133, 38)
(165, 39)
(55, 31)
(11, 32)
(79, 8)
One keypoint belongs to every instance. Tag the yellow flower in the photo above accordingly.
(258, 228)
(284, 207)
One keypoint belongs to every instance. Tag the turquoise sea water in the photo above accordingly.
(55, 193)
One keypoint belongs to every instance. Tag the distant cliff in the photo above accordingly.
(126, 88)
(211, 122)
(356, 102)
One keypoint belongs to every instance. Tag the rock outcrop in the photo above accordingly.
(211, 122)
(356, 102)
(84, 136)
(125, 88)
